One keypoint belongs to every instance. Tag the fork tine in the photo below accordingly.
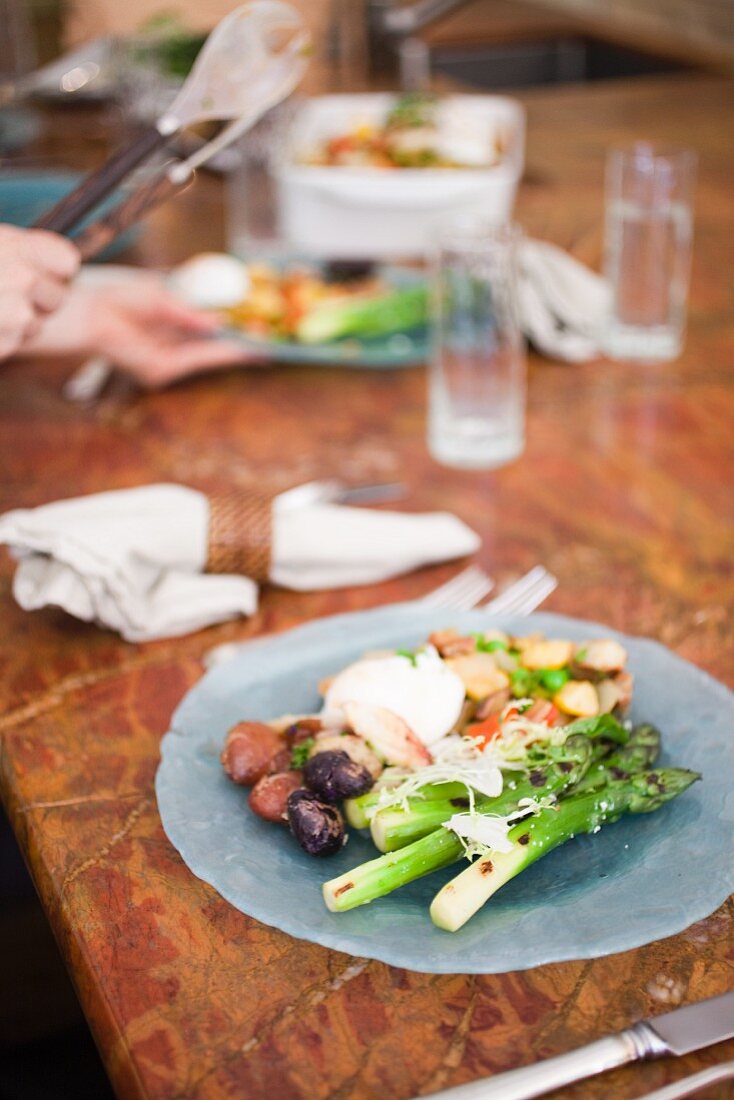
(535, 598)
(520, 602)
(471, 595)
(458, 588)
(510, 594)
(525, 594)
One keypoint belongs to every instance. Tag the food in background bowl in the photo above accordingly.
(369, 176)
(417, 131)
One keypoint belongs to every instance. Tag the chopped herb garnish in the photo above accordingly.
(580, 655)
(409, 656)
(301, 753)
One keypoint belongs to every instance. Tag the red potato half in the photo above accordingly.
(248, 751)
(269, 797)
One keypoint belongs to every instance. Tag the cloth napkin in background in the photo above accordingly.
(133, 559)
(562, 302)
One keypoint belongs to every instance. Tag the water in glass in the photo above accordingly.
(648, 248)
(476, 411)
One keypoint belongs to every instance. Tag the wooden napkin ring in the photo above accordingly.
(240, 534)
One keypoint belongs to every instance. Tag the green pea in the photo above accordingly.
(491, 646)
(553, 679)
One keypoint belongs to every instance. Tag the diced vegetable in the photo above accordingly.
(542, 711)
(577, 698)
(479, 674)
(601, 655)
(486, 730)
(450, 643)
(547, 655)
(609, 695)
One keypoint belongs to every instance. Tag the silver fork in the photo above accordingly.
(461, 593)
(524, 595)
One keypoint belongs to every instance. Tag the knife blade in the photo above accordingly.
(695, 1026)
(679, 1032)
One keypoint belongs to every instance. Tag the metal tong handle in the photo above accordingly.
(174, 177)
(89, 192)
(97, 236)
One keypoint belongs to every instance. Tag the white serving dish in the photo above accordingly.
(350, 212)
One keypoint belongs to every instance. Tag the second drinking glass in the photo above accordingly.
(649, 229)
(476, 413)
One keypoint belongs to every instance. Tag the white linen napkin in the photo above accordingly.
(562, 302)
(133, 559)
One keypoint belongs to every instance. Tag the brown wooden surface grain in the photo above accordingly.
(624, 491)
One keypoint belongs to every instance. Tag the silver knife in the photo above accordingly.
(679, 1032)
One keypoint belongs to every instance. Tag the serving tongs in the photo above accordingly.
(250, 62)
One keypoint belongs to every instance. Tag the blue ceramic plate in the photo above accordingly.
(26, 194)
(399, 349)
(636, 881)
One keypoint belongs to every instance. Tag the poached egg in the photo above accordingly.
(212, 280)
(420, 689)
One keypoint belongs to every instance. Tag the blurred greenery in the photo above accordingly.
(164, 38)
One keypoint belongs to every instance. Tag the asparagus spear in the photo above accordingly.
(640, 752)
(394, 827)
(440, 848)
(399, 311)
(644, 792)
(360, 811)
(604, 730)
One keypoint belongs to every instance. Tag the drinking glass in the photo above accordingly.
(649, 230)
(476, 400)
(251, 201)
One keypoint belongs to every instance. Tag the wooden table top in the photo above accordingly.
(624, 492)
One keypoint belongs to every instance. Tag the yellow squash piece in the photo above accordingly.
(550, 654)
(479, 674)
(577, 698)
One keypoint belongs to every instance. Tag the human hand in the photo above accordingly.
(153, 336)
(143, 330)
(35, 268)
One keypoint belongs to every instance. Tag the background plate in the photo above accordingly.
(399, 349)
(638, 880)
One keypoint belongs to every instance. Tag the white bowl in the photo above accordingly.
(355, 212)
